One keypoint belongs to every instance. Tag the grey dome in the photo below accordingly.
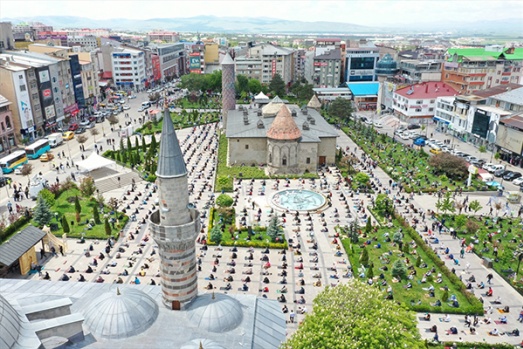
(9, 324)
(221, 314)
(123, 315)
(205, 343)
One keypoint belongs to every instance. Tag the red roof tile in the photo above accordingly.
(426, 90)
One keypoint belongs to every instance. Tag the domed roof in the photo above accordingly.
(314, 103)
(215, 313)
(273, 107)
(201, 343)
(284, 127)
(386, 66)
(122, 314)
(9, 324)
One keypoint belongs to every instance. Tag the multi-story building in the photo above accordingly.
(275, 60)
(211, 54)
(250, 67)
(172, 60)
(299, 64)
(88, 42)
(128, 67)
(163, 36)
(327, 68)
(360, 61)
(473, 69)
(417, 102)
(7, 130)
(7, 39)
(89, 73)
(415, 71)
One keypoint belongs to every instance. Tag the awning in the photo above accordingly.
(441, 120)
(94, 161)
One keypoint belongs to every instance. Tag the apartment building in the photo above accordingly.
(250, 67)
(163, 36)
(415, 71)
(88, 42)
(274, 60)
(7, 130)
(360, 61)
(128, 68)
(172, 59)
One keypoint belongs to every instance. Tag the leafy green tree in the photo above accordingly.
(87, 186)
(460, 221)
(302, 91)
(356, 316)
(399, 270)
(274, 229)
(452, 166)
(96, 215)
(447, 204)
(362, 179)
(418, 261)
(107, 227)
(364, 257)
(48, 196)
(242, 84)
(42, 214)
(224, 200)
(254, 86)
(397, 237)
(65, 225)
(383, 204)
(216, 234)
(144, 145)
(77, 206)
(354, 231)
(129, 145)
(341, 108)
(475, 206)
(277, 85)
(445, 296)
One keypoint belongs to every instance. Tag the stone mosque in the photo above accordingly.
(173, 315)
(288, 139)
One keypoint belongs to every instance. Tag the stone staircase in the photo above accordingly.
(110, 183)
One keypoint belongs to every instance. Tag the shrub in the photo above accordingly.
(48, 196)
(399, 270)
(224, 200)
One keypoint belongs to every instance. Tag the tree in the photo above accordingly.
(77, 206)
(355, 316)
(144, 145)
(113, 203)
(482, 149)
(277, 86)
(113, 120)
(274, 230)
(452, 166)
(368, 226)
(65, 225)
(383, 204)
(254, 86)
(460, 221)
(107, 227)
(26, 171)
(81, 139)
(354, 231)
(216, 234)
(87, 186)
(42, 214)
(242, 84)
(475, 206)
(94, 132)
(302, 91)
(224, 200)
(370, 271)
(399, 270)
(447, 204)
(96, 215)
(364, 257)
(48, 196)
(362, 179)
(471, 227)
(341, 108)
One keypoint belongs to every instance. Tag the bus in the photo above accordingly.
(37, 149)
(12, 161)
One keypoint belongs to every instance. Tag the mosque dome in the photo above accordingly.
(215, 313)
(273, 107)
(387, 66)
(120, 314)
(314, 103)
(9, 324)
(284, 128)
(201, 343)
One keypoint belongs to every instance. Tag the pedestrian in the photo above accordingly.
(10, 207)
(62, 250)
(57, 180)
(489, 278)
(467, 268)
(63, 153)
(42, 253)
(73, 176)
(292, 315)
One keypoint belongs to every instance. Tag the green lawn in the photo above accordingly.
(180, 120)
(402, 163)
(486, 238)
(414, 298)
(211, 103)
(225, 174)
(64, 205)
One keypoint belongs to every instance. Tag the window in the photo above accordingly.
(23, 88)
(431, 109)
(270, 158)
(284, 160)
(3, 128)
(417, 110)
(308, 160)
(7, 122)
(246, 146)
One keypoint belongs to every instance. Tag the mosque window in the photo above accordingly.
(308, 160)
(284, 160)
(246, 146)
(270, 158)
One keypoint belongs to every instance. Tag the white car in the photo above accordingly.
(141, 109)
(486, 165)
(85, 123)
(405, 135)
(378, 124)
(131, 96)
(126, 107)
(518, 181)
(18, 170)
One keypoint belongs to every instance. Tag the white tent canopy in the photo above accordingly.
(261, 96)
(94, 161)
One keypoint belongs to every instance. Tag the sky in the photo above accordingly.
(362, 12)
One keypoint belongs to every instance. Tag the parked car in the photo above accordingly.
(126, 107)
(399, 131)
(131, 96)
(84, 123)
(80, 130)
(478, 162)
(434, 150)
(413, 127)
(486, 165)
(419, 142)
(471, 158)
(73, 127)
(47, 157)
(68, 135)
(501, 172)
(405, 135)
(495, 168)
(511, 176)
(4, 181)
(518, 181)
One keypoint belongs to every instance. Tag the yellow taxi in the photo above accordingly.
(46, 157)
(68, 135)
(435, 150)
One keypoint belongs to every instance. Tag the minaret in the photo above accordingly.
(175, 225)
(228, 89)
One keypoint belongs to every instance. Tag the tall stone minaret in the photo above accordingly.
(228, 89)
(175, 225)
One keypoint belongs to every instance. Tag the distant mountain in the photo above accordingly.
(207, 24)
(262, 25)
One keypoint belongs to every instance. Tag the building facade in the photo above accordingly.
(274, 60)
(360, 62)
(172, 60)
(128, 66)
(7, 130)
(415, 71)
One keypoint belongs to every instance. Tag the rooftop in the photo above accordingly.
(4, 101)
(514, 121)
(284, 127)
(426, 90)
(331, 54)
(495, 90)
(482, 54)
(511, 95)
(359, 89)
(18, 244)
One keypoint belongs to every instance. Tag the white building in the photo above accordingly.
(128, 67)
(274, 60)
(88, 42)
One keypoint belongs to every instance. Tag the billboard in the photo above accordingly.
(22, 96)
(510, 139)
(194, 62)
(44, 76)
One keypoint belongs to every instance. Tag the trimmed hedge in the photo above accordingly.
(13, 228)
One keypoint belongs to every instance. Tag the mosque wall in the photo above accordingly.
(327, 148)
(246, 151)
(308, 157)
